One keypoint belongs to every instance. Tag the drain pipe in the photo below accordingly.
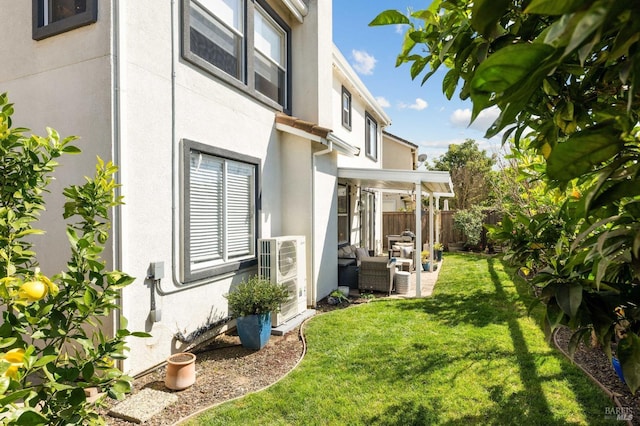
(175, 180)
(116, 112)
(315, 155)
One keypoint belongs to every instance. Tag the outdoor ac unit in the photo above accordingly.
(281, 260)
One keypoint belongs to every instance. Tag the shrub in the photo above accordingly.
(256, 296)
(469, 222)
(51, 345)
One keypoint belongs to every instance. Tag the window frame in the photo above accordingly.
(227, 266)
(346, 123)
(343, 211)
(371, 147)
(246, 84)
(40, 30)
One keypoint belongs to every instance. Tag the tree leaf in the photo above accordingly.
(629, 356)
(516, 67)
(389, 17)
(450, 82)
(582, 151)
(508, 66)
(553, 7)
(70, 149)
(554, 315)
(587, 25)
(626, 188)
(31, 417)
(486, 13)
(569, 298)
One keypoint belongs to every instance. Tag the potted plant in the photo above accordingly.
(438, 249)
(424, 259)
(251, 303)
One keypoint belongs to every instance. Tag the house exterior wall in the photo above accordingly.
(61, 82)
(397, 156)
(195, 106)
(123, 86)
(362, 103)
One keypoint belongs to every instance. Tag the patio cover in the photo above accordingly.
(431, 183)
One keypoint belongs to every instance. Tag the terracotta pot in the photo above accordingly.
(181, 371)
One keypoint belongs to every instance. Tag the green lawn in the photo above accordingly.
(470, 354)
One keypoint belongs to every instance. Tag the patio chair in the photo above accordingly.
(376, 274)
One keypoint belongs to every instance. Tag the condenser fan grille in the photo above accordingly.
(287, 258)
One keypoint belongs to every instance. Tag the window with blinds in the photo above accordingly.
(220, 211)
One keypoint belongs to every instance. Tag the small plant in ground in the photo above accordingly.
(336, 297)
(52, 347)
(367, 296)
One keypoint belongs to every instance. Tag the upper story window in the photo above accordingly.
(270, 56)
(346, 108)
(371, 137)
(220, 211)
(217, 37)
(343, 214)
(51, 17)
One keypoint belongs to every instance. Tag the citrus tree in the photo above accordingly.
(52, 347)
(566, 74)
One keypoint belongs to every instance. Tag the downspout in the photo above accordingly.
(315, 155)
(175, 179)
(116, 154)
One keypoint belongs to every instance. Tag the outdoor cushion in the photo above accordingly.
(360, 253)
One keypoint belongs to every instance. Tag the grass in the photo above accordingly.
(470, 354)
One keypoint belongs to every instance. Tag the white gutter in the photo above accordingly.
(297, 8)
(342, 146)
(331, 140)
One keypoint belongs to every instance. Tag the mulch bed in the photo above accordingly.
(598, 366)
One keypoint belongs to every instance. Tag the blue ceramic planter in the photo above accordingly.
(618, 368)
(254, 330)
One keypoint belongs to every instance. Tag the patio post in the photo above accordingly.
(418, 239)
(430, 232)
(438, 219)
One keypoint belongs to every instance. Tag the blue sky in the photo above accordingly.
(419, 113)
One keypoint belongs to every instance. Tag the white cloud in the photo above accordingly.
(364, 62)
(484, 120)
(418, 105)
(383, 102)
(400, 29)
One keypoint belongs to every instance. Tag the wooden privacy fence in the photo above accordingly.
(395, 223)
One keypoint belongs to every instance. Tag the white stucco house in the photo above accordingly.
(398, 153)
(231, 121)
